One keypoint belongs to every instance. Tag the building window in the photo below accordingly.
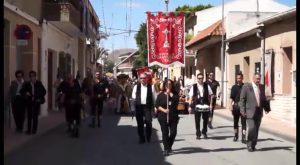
(257, 67)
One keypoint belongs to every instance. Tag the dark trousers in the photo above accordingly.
(96, 110)
(168, 139)
(211, 113)
(18, 110)
(97, 107)
(73, 113)
(236, 117)
(253, 128)
(143, 116)
(197, 122)
(33, 112)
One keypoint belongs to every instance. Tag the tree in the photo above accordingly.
(141, 41)
(108, 66)
(188, 8)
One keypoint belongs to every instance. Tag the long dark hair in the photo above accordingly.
(164, 87)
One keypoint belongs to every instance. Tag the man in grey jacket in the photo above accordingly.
(252, 102)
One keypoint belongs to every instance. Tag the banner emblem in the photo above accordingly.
(165, 39)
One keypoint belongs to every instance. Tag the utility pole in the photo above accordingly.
(222, 57)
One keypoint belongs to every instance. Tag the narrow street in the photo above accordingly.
(116, 143)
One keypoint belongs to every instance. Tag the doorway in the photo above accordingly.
(287, 71)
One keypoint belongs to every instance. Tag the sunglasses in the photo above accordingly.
(200, 78)
(143, 78)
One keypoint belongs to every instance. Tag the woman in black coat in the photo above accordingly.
(73, 99)
(167, 114)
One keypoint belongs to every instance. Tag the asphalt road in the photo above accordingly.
(116, 143)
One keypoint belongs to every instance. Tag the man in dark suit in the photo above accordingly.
(143, 94)
(17, 100)
(34, 93)
(252, 102)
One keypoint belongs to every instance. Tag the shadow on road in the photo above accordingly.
(190, 150)
(227, 126)
(115, 143)
(288, 148)
(269, 139)
(219, 137)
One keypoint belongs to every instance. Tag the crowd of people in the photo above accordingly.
(143, 98)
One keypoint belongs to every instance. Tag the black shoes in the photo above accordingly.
(244, 139)
(210, 126)
(235, 138)
(250, 149)
(204, 135)
(142, 141)
(166, 153)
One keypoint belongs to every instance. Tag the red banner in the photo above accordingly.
(165, 35)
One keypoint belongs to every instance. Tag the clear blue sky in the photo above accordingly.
(114, 13)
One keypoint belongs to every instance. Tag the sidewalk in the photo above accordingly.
(13, 140)
(268, 125)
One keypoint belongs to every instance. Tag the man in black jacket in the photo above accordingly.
(34, 93)
(234, 107)
(143, 95)
(17, 100)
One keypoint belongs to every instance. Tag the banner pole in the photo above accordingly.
(167, 2)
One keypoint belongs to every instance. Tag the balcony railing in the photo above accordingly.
(64, 12)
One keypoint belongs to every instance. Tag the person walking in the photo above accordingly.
(143, 94)
(214, 84)
(17, 100)
(252, 102)
(166, 104)
(73, 100)
(100, 91)
(34, 92)
(201, 101)
(235, 109)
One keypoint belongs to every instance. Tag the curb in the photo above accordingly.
(266, 130)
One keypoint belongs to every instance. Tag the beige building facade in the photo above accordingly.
(280, 41)
(23, 55)
(63, 40)
(275, 35)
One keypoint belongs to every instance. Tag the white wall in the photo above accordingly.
(56, 40)
(209, 16)
(238, 22)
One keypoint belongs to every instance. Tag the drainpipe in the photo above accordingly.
(260, 35)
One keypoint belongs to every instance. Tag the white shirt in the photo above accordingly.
(200, 87)
(256, 90)
(143, 93)
(19, 86)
